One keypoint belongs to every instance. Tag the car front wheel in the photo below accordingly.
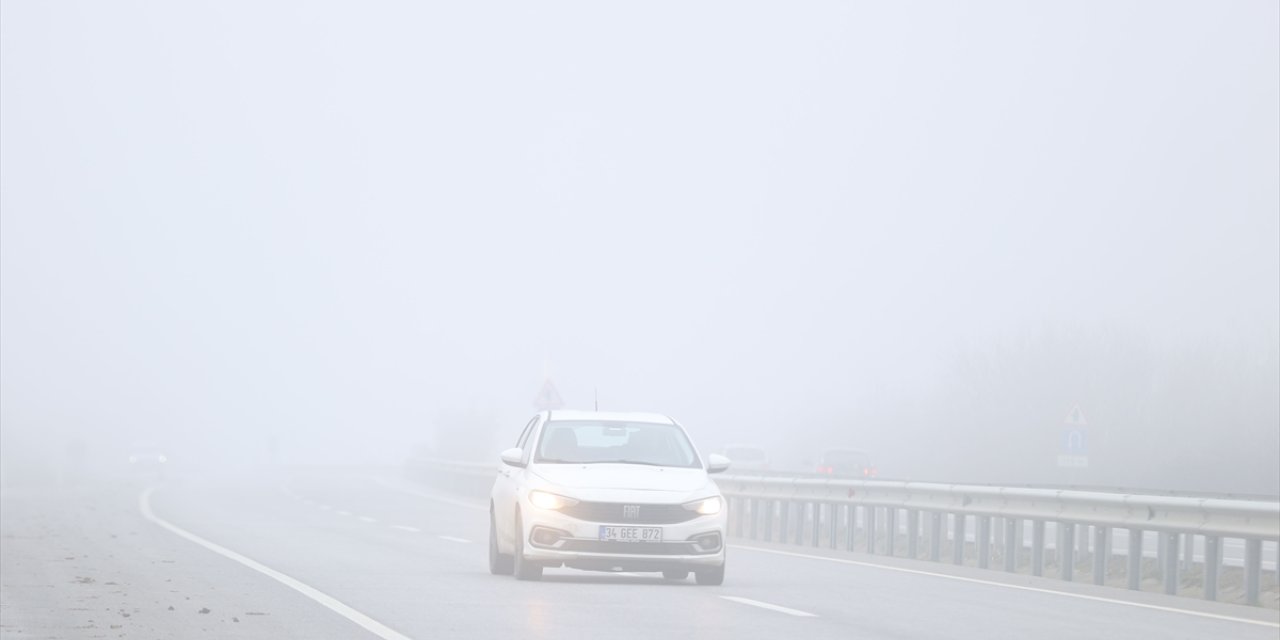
(711, 576)
(500, 564)
(524, 569)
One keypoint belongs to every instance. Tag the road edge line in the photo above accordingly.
(320, 597)
(1067, 594)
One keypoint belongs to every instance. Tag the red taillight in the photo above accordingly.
(866, 471)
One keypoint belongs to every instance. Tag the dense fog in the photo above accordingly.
(336, 233)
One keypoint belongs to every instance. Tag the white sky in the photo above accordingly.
(340, 219)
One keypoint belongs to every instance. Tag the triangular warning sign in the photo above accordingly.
(1075, 417)
(548, 398)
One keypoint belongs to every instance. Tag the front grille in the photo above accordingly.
(632, 548)
(624, 513)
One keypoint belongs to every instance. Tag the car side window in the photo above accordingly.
(524, 435)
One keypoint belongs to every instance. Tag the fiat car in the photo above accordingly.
(607, 492)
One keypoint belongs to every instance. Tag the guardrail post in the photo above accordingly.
(913, 532)
(1252, 569)
(957, 539)
(768, 519)
(800, 510)
(1037, 547)
(755, 517)
(1189, 556)
(1101, 553)
(1134, 570)
(1170, 562)
(736, 507)
(935, 535)
(1082, 541)
(890, 529)
(1212, 560)
(1066, 550)
(983, 538)
(851, 525)
(784, 513)
(833, 514)
(817, 524)
(1011, 545)
(870, 525)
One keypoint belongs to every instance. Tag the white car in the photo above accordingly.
(607, 492)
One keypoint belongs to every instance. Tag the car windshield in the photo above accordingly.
(584, 442)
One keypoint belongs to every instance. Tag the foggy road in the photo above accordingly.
(389, 560)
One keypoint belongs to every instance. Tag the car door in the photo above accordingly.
(504, 487)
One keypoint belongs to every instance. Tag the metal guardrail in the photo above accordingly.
(918, 519)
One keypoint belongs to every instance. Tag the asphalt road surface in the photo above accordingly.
(325, 553)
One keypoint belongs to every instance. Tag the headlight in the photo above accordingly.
(706, 506)
(544, 500)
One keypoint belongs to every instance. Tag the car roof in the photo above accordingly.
(608, 416)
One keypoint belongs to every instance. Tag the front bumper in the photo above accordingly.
(578, 545)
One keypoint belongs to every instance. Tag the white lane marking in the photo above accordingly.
(343, 513)
(430, 496)
(453, 539)
(366, 518)
(772, 607)
(406, 528)
(328, 601)
(1065, 594)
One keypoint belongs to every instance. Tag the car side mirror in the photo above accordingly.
(513, 457)
(717, 463)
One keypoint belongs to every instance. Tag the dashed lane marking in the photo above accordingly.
(772, 607)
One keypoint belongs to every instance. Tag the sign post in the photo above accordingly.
(548, 397)
(1073, 452)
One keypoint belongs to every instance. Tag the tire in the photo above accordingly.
(712, 576)
(523, 569)
(675, 574)
(500, 564)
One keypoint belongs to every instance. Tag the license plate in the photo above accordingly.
(631, 534)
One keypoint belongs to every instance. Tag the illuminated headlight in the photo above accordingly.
(544, 500)
(705, 507)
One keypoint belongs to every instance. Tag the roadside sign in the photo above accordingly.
(548, 397)
(1075, 417)
(1073, 449)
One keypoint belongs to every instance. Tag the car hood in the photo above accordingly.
(591, 478)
